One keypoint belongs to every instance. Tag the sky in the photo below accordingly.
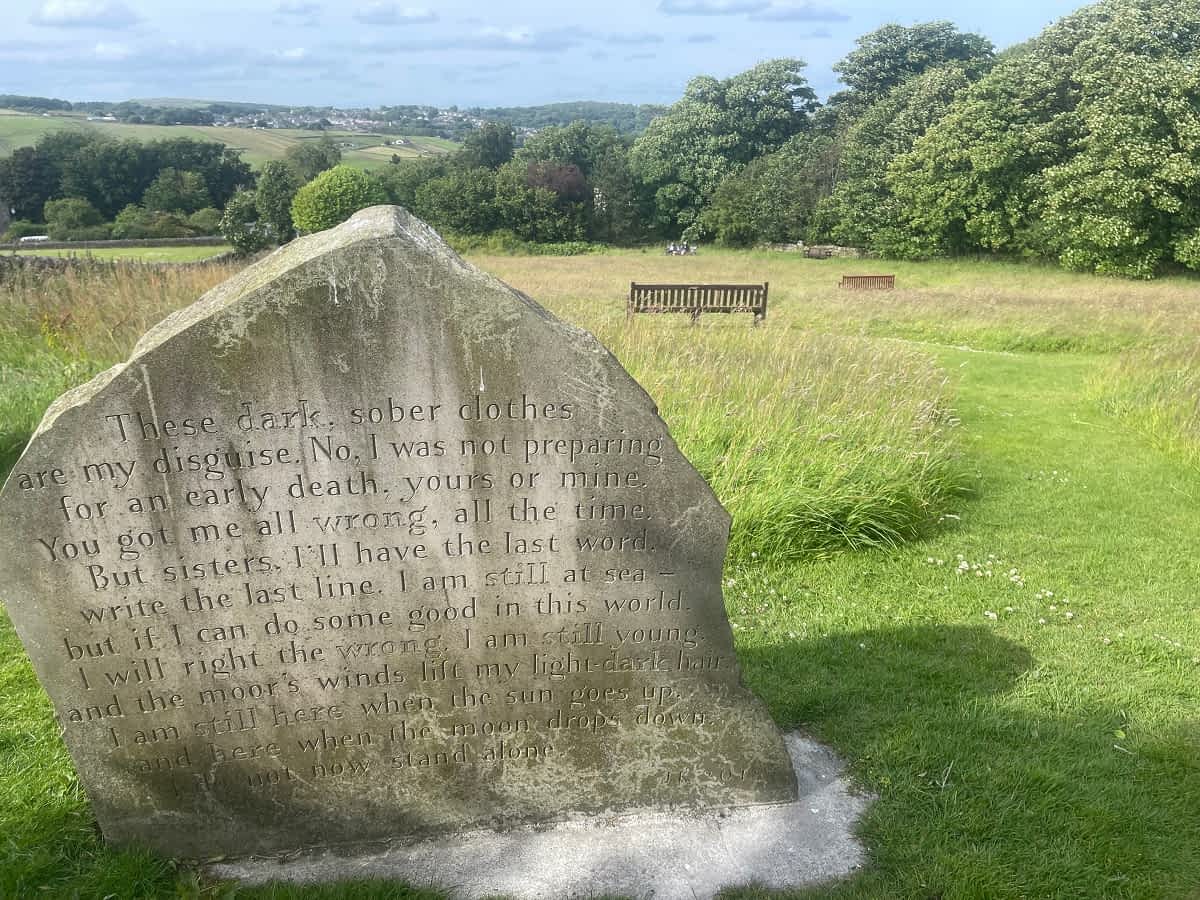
(351, 53)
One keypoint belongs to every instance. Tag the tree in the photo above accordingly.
(27, 181)
(311, 158)
(489, 146)
(70, 218)
(333, 197)
(527, 205)
(1080, 145)
(176, 191)
(714, 130)
(618, 212)
(109, 174)
(402, 181)
(863, 209)
(462, 200)
(580, 144)
(277, 187)
(888, 56)
(240, 225)
(774, 198)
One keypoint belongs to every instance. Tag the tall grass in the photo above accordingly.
(986, 305)
(1156, 391)
(812, 442)
(59, 328)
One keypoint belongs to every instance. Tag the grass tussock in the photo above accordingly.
(1156, 391)
(813, 443)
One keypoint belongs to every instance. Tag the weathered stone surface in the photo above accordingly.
(365, 544)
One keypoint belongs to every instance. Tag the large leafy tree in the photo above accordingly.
(716, 128)
(887, 57)
(277, 187)
(863, 208)
(1081, 145)
(310, 158)
(487, 147)
(109, 174)
(176, 191)
(461, 200)
(609, 205)
(27, 181)
(775, 197)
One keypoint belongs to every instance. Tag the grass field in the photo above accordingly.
(141, 254)
(258, 145)
(969, 567)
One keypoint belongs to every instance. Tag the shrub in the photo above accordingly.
(70, 215)
(19, 228)
(333, 197)
(240, 225)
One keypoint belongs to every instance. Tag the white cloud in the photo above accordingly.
(297, 8)
(84, 14)
(799, 12)
(762, 10)
(711, 7)
(383, 13)
(106, 52)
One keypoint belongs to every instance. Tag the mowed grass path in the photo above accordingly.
(1053, 751)
(1050, 751)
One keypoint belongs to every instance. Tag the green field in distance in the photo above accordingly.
(257, 145)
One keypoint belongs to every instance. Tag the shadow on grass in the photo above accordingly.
(979, 797)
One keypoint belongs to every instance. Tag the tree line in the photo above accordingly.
(1080, 146)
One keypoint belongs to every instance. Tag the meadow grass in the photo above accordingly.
(985, 305)
(1156, 390)
(1014, 671)
(138, 254)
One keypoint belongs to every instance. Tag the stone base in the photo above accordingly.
(639, 854)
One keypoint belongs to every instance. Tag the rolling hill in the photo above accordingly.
(257, 145)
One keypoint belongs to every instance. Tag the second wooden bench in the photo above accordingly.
(696, 299)
(868, 282)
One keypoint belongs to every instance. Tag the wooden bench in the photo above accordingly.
(698, 298)
(868, 282)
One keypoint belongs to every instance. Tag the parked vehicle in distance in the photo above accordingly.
(33, 239)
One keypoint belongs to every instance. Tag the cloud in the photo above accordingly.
(630, 40)
(799, 12)
(383, 13)
(512, 39)
(710, 7)
(760, 10)
(84, 14)
(700, 38)
(297, 8)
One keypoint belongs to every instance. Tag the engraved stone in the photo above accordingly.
(365, 544)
